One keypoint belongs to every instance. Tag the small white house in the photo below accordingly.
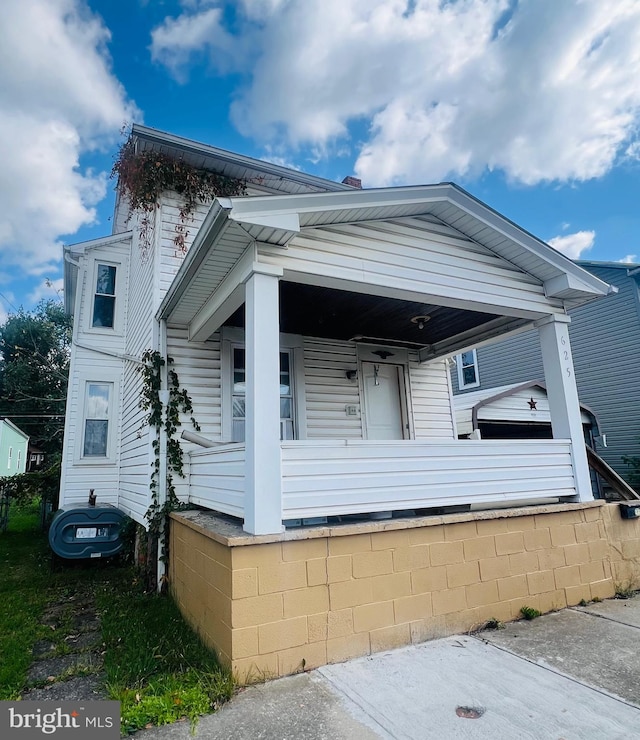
(311, 322)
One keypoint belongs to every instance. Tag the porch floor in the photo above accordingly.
(228, 531)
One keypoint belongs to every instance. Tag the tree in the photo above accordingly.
(34, 370)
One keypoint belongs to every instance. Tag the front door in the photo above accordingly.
(383, 386)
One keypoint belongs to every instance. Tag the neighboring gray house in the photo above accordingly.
(605, 341)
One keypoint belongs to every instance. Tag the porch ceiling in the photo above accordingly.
(328, 313)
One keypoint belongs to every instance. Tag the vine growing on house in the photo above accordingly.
(179, 402)
(144, 175)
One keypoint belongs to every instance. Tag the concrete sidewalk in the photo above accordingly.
(572, 674)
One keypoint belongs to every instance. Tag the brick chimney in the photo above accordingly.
(355, 182)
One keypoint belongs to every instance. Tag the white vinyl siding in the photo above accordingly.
(414, 258)
(95, 358)
(198, 367)
(102, 337)
(329, 391)
(431, 398)
(171, 226)
(135, 438)
(333, 477)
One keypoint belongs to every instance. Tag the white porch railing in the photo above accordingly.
(216, 479)
(350, 477)
(325, 478)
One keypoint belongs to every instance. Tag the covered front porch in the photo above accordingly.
(386, 274)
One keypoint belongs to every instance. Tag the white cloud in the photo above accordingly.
(574, 245)
(543, 91)
(199, 28)
(629, 259)
(58, 99)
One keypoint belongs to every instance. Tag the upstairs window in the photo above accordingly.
(238, 395)
(467, 364)
(19, 461)
(96, 424)
(9, 459)
(104, 300)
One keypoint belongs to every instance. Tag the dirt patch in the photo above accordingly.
(69, 666)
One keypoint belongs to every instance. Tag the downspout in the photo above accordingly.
(162, 451)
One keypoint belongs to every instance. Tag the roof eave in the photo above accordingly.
(188, 145)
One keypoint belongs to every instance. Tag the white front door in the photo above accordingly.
(383, 387)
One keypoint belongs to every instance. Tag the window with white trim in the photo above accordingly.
(95, 443)
(104, 299)
(9, 459)
(19, 460)
(467, 364)
(238, 371)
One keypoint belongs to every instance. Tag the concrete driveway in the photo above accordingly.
(569, 675)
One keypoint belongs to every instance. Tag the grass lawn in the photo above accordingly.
(154, 664)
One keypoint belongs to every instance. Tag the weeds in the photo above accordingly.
(529, 613)
(155, 665)
(625, 591)
(494, 624)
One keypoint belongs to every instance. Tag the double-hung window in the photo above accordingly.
(238, 395)
(9, 458)
(96, 420)
(467, 364)
(104, 299)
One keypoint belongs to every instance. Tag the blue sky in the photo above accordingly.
(531, 105)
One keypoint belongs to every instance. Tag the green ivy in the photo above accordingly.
(144, 175)
(179, 402)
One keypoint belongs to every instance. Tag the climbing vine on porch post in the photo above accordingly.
(167, 420)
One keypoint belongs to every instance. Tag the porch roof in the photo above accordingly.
(276, 219)
(232, 224)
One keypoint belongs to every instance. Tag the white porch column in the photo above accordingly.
(563, 396)
(263, 480)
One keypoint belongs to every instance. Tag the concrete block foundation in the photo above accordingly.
(273, 605)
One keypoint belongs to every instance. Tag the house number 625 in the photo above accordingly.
(563, 342)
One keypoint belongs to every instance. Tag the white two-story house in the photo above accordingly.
(311, 323)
